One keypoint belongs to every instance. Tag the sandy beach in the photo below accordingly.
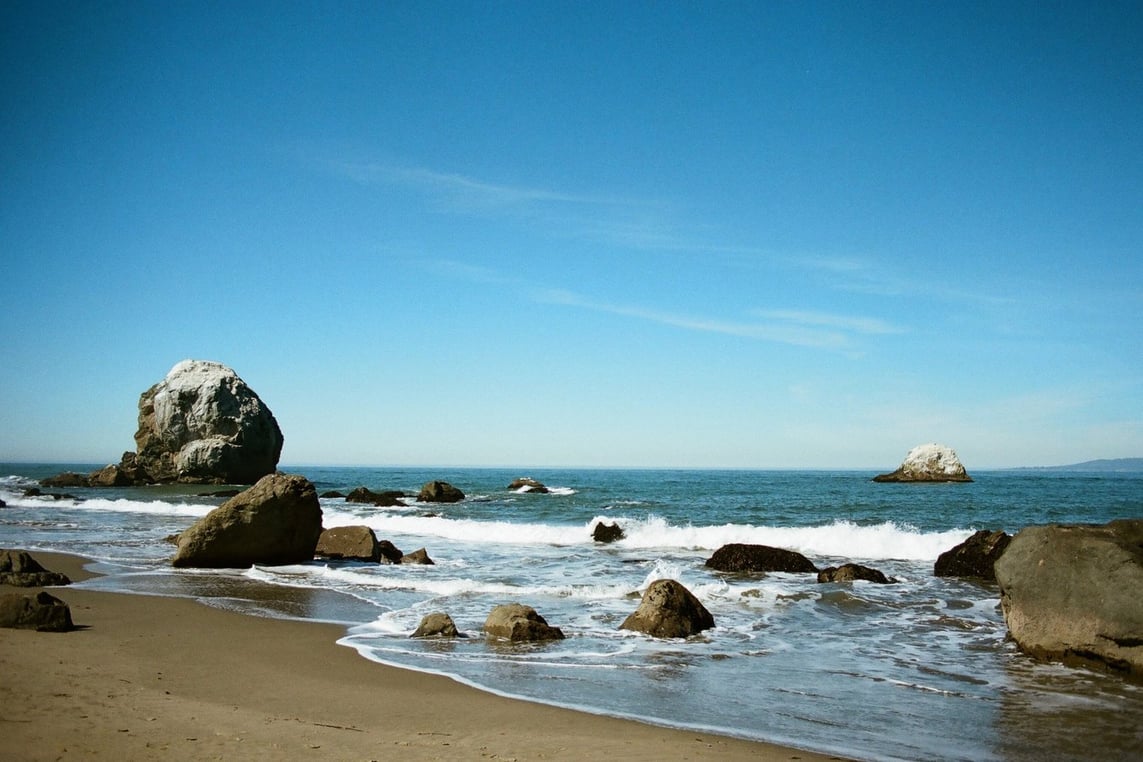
(165, 678)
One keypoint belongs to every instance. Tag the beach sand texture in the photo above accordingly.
(167, 678)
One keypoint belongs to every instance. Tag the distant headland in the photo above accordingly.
(1101, 465)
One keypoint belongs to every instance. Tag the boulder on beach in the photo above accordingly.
(928, 463)
(440, 492)
(669, 610)
(528, 484)
(1072, 594)
(975, 557)
(277, 521)
(349, 543)
(607, 532)
(519, 623)
(436, 625)
(41, 612)
(742, 557)
(852, 573)
(203, 424)
(19, 569)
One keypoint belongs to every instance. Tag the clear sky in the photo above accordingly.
(764, 234)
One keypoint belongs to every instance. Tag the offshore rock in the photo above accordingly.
(203, 424)
(66, 479)
(928, 463)
(852, 573)
(669, 610)
(390, 553)
(975, 557)
(1072, 594)
(741, 557)
(388, 499)
(19, 569)
(419, 557)
(528, 484)
(277, 521)
(41, 612)
(519, 623)
(440, 492)
(607, 532)
(351, 543)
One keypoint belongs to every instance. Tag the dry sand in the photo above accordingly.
(166, 678)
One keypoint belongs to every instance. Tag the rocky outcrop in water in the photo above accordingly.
(436, 625)
(203, 424)
(528, 484)
(350, 543)
(852, 573)
(19, 569)
(1072, 594)
(519, 623)
(42, 612)
(277, 521)
(387, 499)
(669, 610)
(607, 532)
(975, 557)
(928, 463)
(439, 492)
(742, 557)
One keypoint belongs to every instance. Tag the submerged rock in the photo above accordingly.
(519, 623)
(853, 572)
(528, 484)
(1072, 594)
(742, 557)
(669, 610)
(975, 557)
(928, 463)
(277, 521)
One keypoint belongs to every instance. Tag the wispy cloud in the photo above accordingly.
(847, 323)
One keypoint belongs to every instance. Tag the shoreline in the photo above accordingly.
(151, 677)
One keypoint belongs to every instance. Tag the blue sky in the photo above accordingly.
(556, 234)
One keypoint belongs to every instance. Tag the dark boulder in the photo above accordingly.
(607, 532)
(390, 553)
(351, 543)
(975, 557)
(277, 521)
(41, 612)
(740, 557)
(380, 499)
(853, 572)
(418, 557)
(436, 625)
(669, 610)
(519, 623)
(19, 569)
(440, 492)
(66, 479)
(331, 494)
(528, 484)
(1073, 594)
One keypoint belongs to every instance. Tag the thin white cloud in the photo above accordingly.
(848, 323)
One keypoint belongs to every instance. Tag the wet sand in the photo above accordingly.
(147, 677)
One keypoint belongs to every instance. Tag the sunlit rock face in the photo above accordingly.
(928, 463)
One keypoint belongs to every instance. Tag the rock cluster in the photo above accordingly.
(19, 569)
(928, 463)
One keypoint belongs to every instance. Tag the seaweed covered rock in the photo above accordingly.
(277, 521)
(742, 557)
(669, 610)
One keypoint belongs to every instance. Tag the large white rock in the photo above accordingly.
(928, 463)
(202, 423)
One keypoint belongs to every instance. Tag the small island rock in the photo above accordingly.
(928, 463)
(528, 484)
(440, 492)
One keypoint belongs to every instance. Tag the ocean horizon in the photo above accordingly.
(918, 669)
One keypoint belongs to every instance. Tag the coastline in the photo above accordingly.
(147, 677)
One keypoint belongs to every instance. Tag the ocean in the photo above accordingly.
(919, 669)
